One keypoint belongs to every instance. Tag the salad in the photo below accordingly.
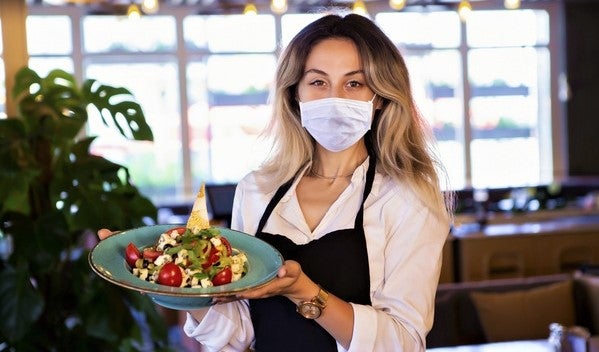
(184, 258)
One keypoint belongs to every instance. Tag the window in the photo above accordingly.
(156, 167)
(508, 70)
(483, 86)
(50, 43)
(229, 76)
(226, 120)
(291, 24)
(430, 43)
(141, 56)
(114, 34)
(499, 99)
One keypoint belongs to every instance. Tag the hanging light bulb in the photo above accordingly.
(359, 8)
(250, 9)
(511, 4)
(133, 11)
(397, 4)
(149, 6)
(464, 10)
(278, 6)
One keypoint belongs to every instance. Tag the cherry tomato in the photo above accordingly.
(132, 254)
(227, 245)
(211, 258)
(150, 254)
(180, 230)
(223, 277)
(170, 275)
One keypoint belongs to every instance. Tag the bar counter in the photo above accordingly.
(522, 245)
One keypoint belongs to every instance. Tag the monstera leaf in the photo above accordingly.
(111, 104)
(54, 195)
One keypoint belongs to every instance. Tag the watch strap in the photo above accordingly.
(321, 298)
(313, 308)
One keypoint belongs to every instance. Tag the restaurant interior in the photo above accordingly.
(509, 88)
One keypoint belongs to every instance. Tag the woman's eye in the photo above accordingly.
(354, 84)
(317, 82)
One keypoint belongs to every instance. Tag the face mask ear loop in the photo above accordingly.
(372, 100)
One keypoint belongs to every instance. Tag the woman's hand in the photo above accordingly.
(104, 233)
(290, 282)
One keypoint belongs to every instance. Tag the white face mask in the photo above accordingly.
(337, 123)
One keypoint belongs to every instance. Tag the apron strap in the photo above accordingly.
(273, 203)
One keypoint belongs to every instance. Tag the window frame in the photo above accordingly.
(556, 128)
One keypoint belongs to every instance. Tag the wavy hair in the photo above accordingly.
(401, 138)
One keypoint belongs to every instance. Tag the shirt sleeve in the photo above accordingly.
(226, 327)
(405, 269)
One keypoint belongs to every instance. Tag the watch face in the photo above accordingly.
(309, 310)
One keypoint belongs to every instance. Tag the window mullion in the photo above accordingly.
(467, 136)
(182, 60)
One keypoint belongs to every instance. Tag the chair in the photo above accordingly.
(220, 202)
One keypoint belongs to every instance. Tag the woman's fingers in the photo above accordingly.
(103, 233)
(225, 299)
(283, 284)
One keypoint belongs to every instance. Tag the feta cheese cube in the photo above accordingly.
(162, 259)
(141, 273)
(235, 277)
(205, 282)
(216, 241)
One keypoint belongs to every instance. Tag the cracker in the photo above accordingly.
(198, 219)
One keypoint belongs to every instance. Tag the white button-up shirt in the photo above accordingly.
(404, 241)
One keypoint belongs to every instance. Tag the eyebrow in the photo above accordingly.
(315, 70)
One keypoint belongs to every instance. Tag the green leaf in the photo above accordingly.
(93, 192)
(19, 168)
(21, 304)
(53, 106)
(24, 79)
(52, 240)
(58, 77)
(11, 129)
(117, 104)
(120, 324)
(54, 194)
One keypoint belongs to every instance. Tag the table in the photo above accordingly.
(511, 346)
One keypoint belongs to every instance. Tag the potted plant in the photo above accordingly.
(54, 195)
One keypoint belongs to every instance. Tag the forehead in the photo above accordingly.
(335, 53)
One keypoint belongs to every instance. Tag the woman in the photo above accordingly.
(350, 196)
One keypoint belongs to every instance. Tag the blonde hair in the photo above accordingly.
(401, 138)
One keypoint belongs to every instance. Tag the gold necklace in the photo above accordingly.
(316, 174)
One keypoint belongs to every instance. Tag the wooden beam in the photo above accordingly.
(13, 14)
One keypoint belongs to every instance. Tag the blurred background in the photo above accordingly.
(492, 77)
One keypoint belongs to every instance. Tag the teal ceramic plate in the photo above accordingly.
(107, 259)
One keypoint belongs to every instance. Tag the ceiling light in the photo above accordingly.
(397, 4)
(359, 8)
(250, 9)
(278, 6)
(149, 6)
(464, 10)
(511, 4)
(133, 11)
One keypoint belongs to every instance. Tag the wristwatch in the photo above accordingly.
(313, 308)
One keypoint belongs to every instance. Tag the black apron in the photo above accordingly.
(338, 262)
